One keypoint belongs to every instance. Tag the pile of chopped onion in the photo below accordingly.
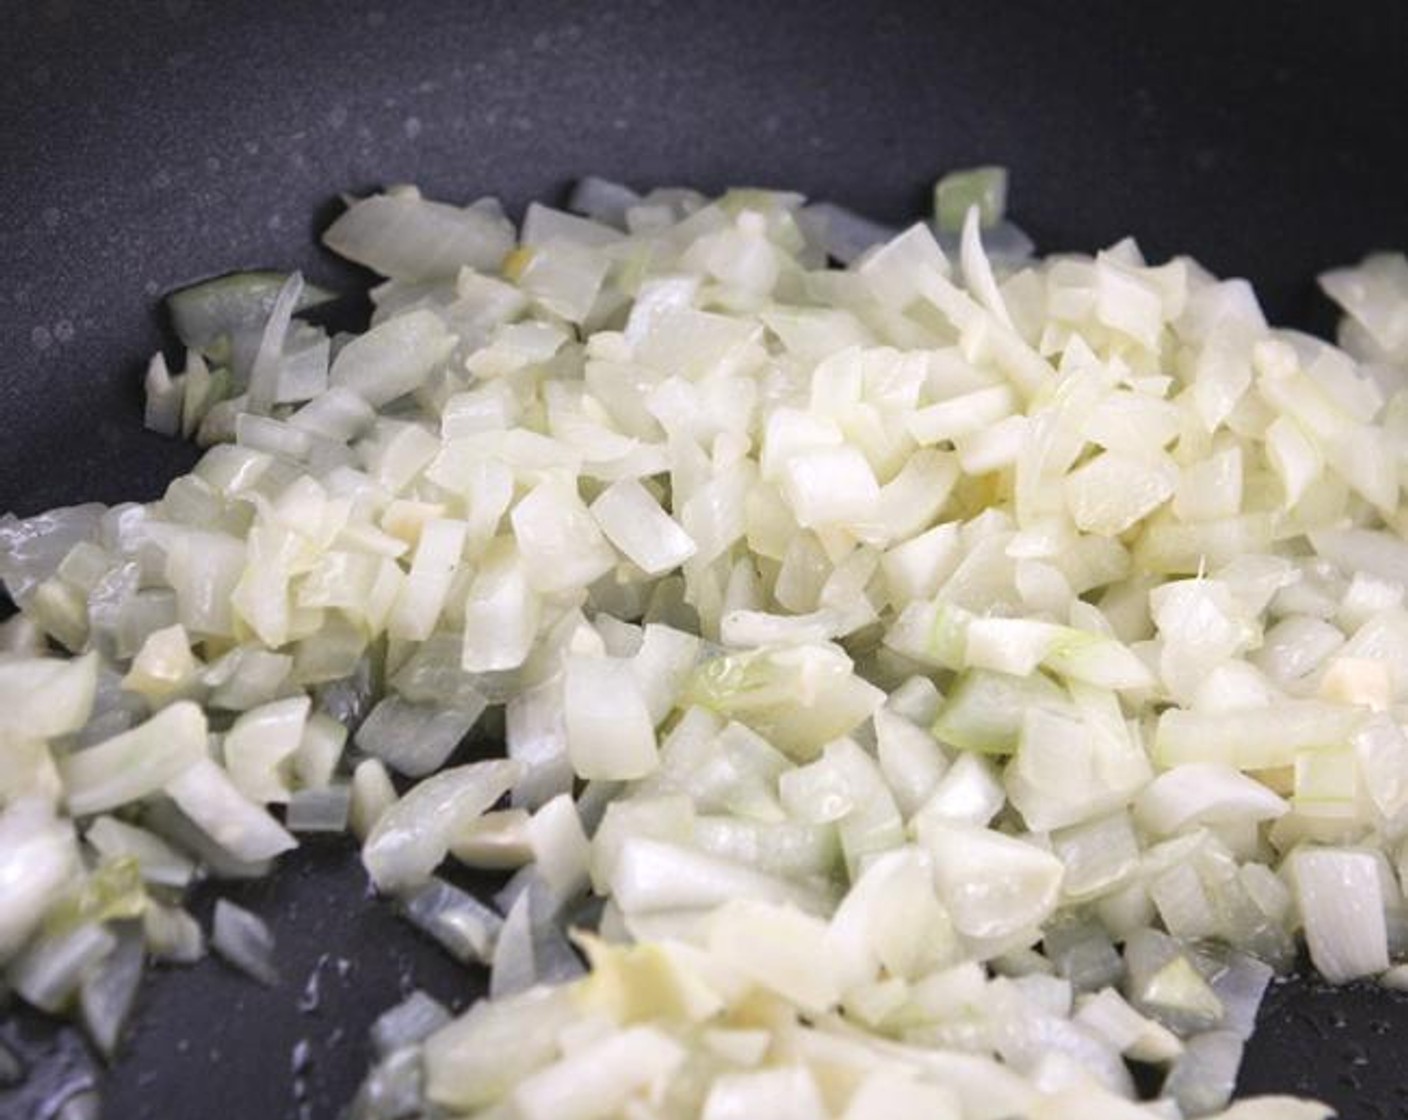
(928, 685)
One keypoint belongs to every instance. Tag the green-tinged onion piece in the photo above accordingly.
(983, 187)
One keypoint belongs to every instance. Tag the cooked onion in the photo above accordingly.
(937, 682)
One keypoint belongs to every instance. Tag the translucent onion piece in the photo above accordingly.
(244, 940)
(414, 739)
(319, 810)
(411, 1021)
(411, 238)
(210, 800)
(412, 836)
(462, 924)
(109, 992)
(204, 312)
(38, 857)
(135, 763)
(43, 698)
(51, 968)
(1203, 1077)
(158, 861)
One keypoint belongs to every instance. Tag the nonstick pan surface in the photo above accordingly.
(147, 144)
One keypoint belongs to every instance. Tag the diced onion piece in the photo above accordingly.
(158, 861)
(993, 885)
(958, 192)
(319, 751)
(536, 729)
(137, 762)
(372, 795)
(891, 919)
(484, 1053)
(1204, 793)
(52, 967)
(411, 1021)
(392, 358)
(38, 858)
(888, 1095)
(652, 876)
(799, 697)
(1203, 1077)
(844, 234)
(260, 743)
(609, 730)
(206, 795)
(1253, 740)
(780, 949)
(561, 850)
(1111, 492)
(172, 934)
(422, 597)
(561, 546)
(415, 739)
(634, 522)
(501, 614)
(319, 810)
(977, 270)
(602, 200)
(497, 841)
(786, 1092)
(411, 238)
(244, 940)
(462, 924)
(1162, 982)
(44, 698)
(1340, 897)
(1374, 294)
(531, 947)
(165, 398)
(204, 313)
(985, 711)
(164, 667)
(108, 992)
(1123, 1027)
(829, 487)
(600, 1078)
(411, 837)
(263, 388)
(203, 567)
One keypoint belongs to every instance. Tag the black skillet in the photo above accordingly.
(146, 143)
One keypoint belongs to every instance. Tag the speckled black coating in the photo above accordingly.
(145, 144)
